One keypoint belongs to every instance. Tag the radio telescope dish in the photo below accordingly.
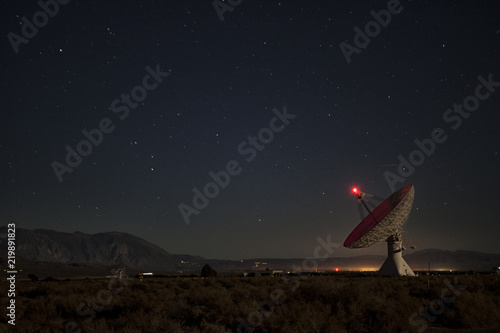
(385, 222)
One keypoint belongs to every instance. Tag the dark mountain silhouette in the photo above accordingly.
(110, 248)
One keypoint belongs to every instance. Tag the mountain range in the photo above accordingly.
(68, 254)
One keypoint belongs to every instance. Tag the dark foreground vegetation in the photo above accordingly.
(261, 304)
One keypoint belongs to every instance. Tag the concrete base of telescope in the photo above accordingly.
(395, 265)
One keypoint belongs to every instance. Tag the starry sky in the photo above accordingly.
(213, 90)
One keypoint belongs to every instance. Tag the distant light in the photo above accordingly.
(355, 190)
(336, 269)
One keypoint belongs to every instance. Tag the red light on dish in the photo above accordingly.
(355, 190)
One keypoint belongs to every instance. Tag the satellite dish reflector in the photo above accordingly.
(385, 222)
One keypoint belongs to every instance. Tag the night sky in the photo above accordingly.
(215, 85)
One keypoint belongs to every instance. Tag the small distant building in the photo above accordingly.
(277, 273)
(266, 272)
(258, 263)
(143, 275)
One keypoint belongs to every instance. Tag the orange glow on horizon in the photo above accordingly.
(363, 269)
